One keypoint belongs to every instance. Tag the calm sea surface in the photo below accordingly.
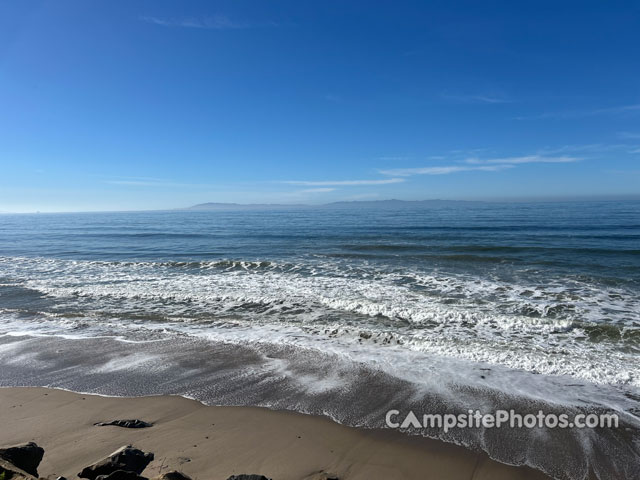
(534, 302)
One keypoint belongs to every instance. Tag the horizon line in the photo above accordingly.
(546, 199)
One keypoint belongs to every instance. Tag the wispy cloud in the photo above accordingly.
(152, 182)
(589, 148)
(592, 148)
(442, 170)
(623, 172)
(476, 98)
(478, 164)
(620, 109)
(343, 183)
(523, 159)
(332, 97)
(629, 135)
(316, 190)
(216, 22)
(393, 158)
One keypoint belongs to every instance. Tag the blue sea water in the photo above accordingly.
(544, 298)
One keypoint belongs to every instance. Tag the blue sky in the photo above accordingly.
(160, 104)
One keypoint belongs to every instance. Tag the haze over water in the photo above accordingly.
(485, 304)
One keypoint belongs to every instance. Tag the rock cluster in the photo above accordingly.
(20, 462)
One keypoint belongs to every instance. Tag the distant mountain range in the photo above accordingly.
(353, 204)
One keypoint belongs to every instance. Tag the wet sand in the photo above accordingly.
(208, 442)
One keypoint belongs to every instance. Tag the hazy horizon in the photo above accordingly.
(222, 205)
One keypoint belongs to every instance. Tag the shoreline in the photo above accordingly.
(289, 380)
(218, 441)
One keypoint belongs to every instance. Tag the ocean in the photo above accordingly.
(345, 311)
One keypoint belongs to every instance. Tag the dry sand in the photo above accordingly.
(215, 442)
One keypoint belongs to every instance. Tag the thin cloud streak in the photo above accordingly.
(316, 190)
(524, 159)
(443, 170)
(629, 135)
(342, 183)
(153, 183)
(476, 164)
(481, 98)
(216, 22)
(584, 113)
(393, 158)
(589, 148)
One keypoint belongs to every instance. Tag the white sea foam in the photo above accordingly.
(541, 328)
(133, 361)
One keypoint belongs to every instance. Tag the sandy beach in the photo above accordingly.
(216, 442)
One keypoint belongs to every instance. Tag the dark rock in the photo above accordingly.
(9, 471)
(174, 475)
(329, 476)
(126, 458)
(322, 475)
(121, 475)
(245, 476)
(26, 457)
(125, 424)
